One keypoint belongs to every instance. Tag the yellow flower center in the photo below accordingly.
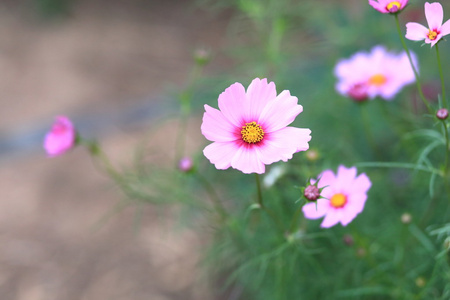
(252, 133)
(392, 4)
(338, 200)
(377, 80)
(432, 35)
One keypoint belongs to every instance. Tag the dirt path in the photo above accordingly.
(104, 55)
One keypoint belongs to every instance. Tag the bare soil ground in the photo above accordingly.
(103, 55)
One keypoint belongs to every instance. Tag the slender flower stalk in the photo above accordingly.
(447, 150)
(263, 207)
(419, 87)
(441, 74)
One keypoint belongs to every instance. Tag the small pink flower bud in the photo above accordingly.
(312, 155)
(185, 164)
(442, 114)
(60, 138)
(312, 193)
(202, 56)
(348, 240)
(358, 92)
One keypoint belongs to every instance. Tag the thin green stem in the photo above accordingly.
(220, 209)
(264, 208)
(367, 128)
(294, 219)
(441, 74)
(416, 75)
(446, 148)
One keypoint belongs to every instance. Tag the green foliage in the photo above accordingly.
(399, 246)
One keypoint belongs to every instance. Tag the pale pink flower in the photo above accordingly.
(60, 138)
(185, 164)
(344, 196)
(388, 6)
(250, 129)
(435, 31)
(378, 73)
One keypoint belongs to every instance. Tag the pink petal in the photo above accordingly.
(416, 31)
(247, 160)
(313, 211)
(259, 93)
(60, 138)
(327, 178)
(231, 102)
(445, 28)
(282, 144)
(220, 154)
(215, 127)
(379, 5)
(434, 14)
(345, 177)
(280, 112)
(361, 184)
(332, 218)
(355, 204)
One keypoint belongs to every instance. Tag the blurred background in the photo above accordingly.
(116, 68)
(111, 67)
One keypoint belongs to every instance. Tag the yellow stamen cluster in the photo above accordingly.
(432, 35)
(377, 80)
(252, 133)
(392, 4)
(338, 200)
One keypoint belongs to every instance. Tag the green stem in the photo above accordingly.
(367, 129)
(419, 87)
(213, 196)
(441, 74)
(294, 219)
(264, 208)
(446, 148)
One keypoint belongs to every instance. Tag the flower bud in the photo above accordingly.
(406, 218)
(348, 240)
(61, 137)
(442, 114)
(312, 155)
(185, 164)
(312, 192)
(202, 56)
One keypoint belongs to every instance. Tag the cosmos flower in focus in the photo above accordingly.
(377, 73)
(60, 138)
(344, 196)
(250, 129)
(435, 31)
(388, 6)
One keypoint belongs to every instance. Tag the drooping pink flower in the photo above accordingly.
(60, 138)
(378, 73)
(344, 196)
(388, 6)
(251, 128)
(435, 31)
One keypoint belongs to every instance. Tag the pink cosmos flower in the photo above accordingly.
(378, 73)
(344, 197)
(250, 129)
(388, 6)
(435, 31)
(60, 138)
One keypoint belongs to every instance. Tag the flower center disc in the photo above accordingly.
(252, 133)
(338, 200)
(377, 80)
(432, 35)
(392, 4)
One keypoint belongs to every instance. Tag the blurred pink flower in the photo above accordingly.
(435, 31)
(388, 6)
(378, 73)
(250, 129)
(60, 138)
(186, 164)
(344, 196)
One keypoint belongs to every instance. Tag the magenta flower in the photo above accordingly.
(435, 31)
(388, 6)
(378, 73)
(60, 138)
(344, 196)
(250, 129)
